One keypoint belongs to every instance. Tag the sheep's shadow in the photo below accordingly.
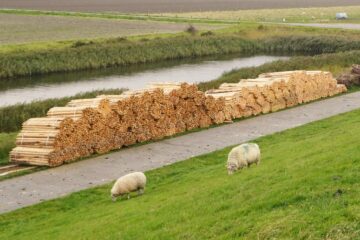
(127, 197)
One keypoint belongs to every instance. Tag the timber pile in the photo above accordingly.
(352, 78)
(98, 125)
(271, 92)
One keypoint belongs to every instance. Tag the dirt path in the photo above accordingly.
(351, 26)
(44, 185)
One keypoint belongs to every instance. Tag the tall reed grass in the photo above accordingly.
(122, 52)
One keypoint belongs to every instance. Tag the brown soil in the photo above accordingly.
(20, 28)
(12, 169)
(167, 5)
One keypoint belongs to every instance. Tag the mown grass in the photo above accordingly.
(113, 15)
(336, 63)
(292, 15)
(305, 188)
(120, 52)
(12, 117)
(295, 15)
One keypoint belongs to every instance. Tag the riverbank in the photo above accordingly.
(32, 59)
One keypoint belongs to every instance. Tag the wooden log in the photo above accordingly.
(98, 125)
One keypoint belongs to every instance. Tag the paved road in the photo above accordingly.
(44, 185)
(352, 26)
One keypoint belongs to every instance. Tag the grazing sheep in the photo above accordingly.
(243, 156)
(129, 183)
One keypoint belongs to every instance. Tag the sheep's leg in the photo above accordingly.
(128, 196)
(140, 191)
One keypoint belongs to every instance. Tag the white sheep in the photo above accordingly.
(131, 182)
(243, 156)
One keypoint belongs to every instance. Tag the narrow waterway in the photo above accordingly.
(68, 84)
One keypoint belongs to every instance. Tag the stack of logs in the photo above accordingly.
(87, 126)
(352, 78)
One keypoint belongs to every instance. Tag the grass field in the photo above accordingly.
(305, 188)
(297, 15)
(290, 15)
(15, 28)
(146, 6)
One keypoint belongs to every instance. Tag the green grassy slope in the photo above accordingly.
(305, 188)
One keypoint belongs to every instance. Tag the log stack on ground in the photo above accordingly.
(351, 78)
(107, 122)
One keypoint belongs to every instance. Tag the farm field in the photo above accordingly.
(294, 15)
(146, 6)
(305, 188)
(15, 29)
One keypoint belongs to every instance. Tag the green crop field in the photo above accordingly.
(298, 15)
(305, 188)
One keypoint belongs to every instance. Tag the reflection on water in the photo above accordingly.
(135, 77)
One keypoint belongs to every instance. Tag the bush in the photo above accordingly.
(261, 27)
(7, 142)
(191, 29)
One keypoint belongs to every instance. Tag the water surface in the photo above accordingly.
(68, 84)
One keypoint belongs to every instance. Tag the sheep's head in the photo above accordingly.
(113, 197)
(231, 168)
